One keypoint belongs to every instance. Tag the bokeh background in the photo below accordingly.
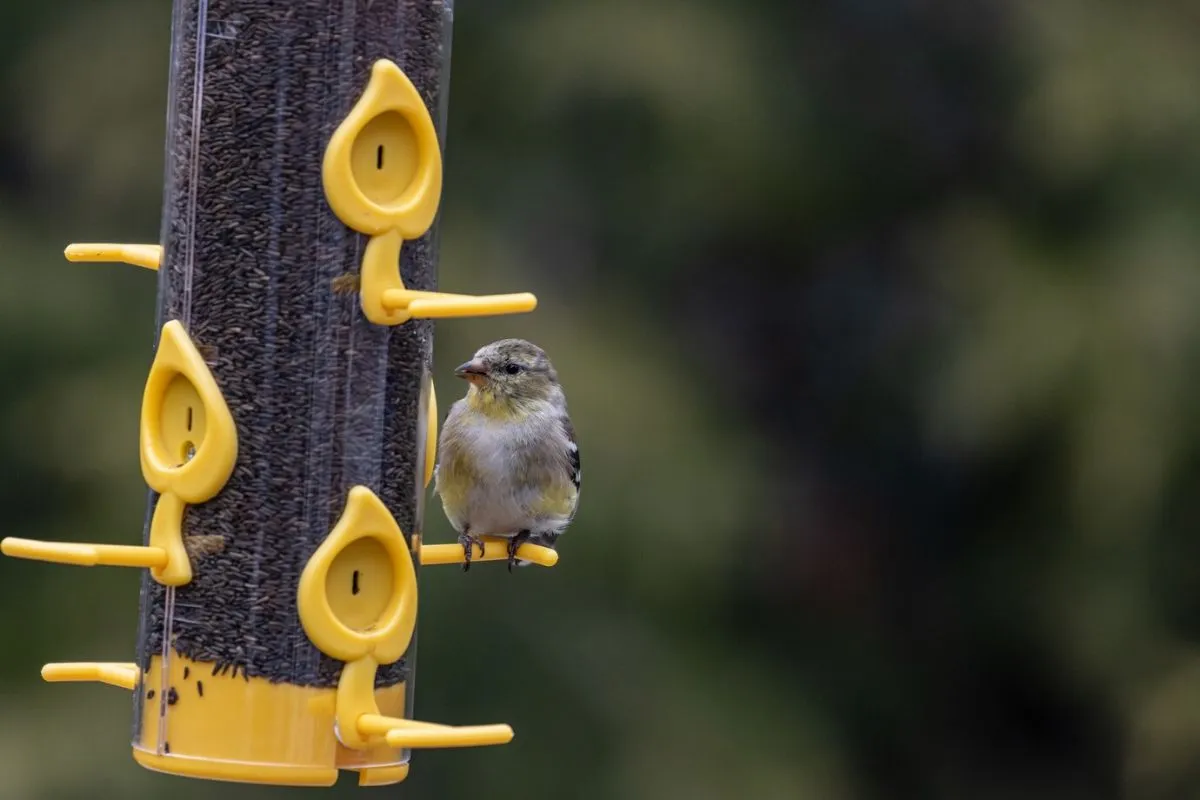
(878, 322)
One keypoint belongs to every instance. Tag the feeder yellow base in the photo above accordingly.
(229, 772)
(229, 728)
(187, 767)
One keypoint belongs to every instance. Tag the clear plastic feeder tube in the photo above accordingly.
(262, 278)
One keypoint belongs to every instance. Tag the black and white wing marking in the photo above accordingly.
(573, 454)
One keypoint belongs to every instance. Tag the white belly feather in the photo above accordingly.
(512, 464)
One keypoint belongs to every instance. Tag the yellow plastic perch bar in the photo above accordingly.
(438, 305)
(121, 675)
(126, 555)
(408, 733)
(493, 550)
(139, 255)
(85, 555)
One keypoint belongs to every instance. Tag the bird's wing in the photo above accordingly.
(561, 500)
(575, 465)
(448, 436)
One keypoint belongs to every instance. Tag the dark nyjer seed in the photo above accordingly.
(322, 399)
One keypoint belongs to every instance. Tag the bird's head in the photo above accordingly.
(510, 373)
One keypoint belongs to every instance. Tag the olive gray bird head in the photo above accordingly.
(511, 370)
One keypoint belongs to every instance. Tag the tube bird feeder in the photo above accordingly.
(288, 421)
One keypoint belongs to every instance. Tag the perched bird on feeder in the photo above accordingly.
(508, 463)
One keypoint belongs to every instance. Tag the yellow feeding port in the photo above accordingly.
(383, 166)
(358, 593)
(382, 174)
(358, 603)
(188, 443)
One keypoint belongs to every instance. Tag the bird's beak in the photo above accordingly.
(473, 371)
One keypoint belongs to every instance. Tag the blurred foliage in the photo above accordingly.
(877, 324)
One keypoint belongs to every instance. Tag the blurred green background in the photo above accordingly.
(878, 324)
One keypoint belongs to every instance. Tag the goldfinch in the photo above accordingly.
(508, 463)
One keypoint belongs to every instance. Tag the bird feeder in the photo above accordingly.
(288, 422)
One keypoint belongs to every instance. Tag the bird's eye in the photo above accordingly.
(512, 369)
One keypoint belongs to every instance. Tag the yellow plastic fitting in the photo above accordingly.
(431, 436)
(357, 602)
(458, 736)
(382, 173)
(495, 549)
(424, 306)
(360, 725)
(147, 256)
(188, 444)
(121, 675)
(408, 733)
(358, 593)
(382, 168)
(85, 555)
(382, 776)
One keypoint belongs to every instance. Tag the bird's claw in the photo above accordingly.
(514, 544)
(466, 540)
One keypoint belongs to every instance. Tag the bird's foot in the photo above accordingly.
(514, 544)
(467, 541)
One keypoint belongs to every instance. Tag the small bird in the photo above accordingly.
(508, 463)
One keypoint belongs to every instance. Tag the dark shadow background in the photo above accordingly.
(878, 324)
